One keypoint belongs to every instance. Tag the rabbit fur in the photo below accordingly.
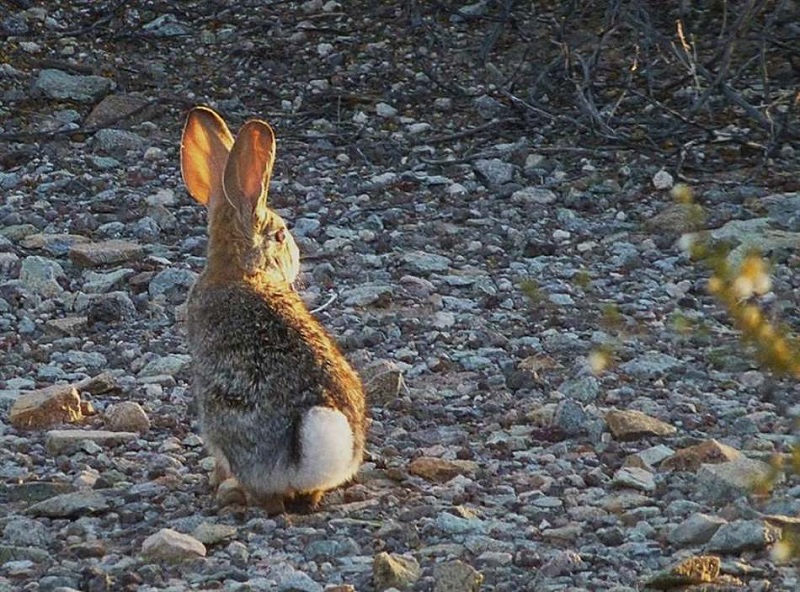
(280, 408)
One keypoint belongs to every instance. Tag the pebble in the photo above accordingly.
(390, 570)
(456, 576)
(695, 530)
(126, 416)
(170, 545)
(71, 441)
(70, 505)
(41, 276)
(105, 253)
(59, 85)
(633, 425)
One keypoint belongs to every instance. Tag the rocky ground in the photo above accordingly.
(557, 403)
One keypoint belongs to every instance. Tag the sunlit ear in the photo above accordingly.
(249, 167)
(205, 145)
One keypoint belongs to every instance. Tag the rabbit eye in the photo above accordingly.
(280, 235)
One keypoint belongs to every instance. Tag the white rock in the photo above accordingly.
(663, 180)
(171, 545)
(385, 110)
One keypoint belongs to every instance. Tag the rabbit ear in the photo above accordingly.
(205, 146)
(249, 167)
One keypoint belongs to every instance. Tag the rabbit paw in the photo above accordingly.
(220, 473)
(306, 503)
(271, 504)
(230, 493)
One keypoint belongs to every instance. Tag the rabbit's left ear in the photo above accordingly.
(205, 145)
(249, 167)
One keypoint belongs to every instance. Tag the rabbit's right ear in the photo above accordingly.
(249, 168)
(205, 145)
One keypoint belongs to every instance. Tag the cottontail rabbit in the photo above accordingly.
(280, 408)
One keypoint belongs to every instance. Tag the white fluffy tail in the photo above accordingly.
(327, 456)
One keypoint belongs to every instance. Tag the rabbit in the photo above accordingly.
(280, 409)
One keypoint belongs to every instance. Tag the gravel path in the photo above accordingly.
(479, 279)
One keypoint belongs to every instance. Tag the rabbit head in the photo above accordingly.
(231, 178)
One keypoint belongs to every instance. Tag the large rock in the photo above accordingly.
(46, 408)
(126, 416)
(170, 545)
(695, 530)
(722, 483)
(735, 537)
(105, 253)
(424, 263)
(390, 570)
(456, 576)
(117, 142)
(439, 469)
(71, 505)
(56, 84)
(70, 441)
(40, 275)
(632, 425)
(693, 457)
(700, 569)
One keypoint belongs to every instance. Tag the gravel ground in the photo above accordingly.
(479, 264)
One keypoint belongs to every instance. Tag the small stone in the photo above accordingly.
(70, 441)
(425, 263)
(56, 84)
(695, 530)
(26, 532)
(46, 407)
(691, 458)
(663, 180)
(289, 579)
(494, 171)
(650, 457)
(453, 524)
(570, 416)
(70, 505)
(367, 295)
(40, 275)
(100, 283)
(676, 219)
(742, 535)
(700, 569)
(583, 388)
(534, 195)
(651, 365)
(439, 469)
(456, 576)
(105, 253)
(635, 478)
(112, 109)
(172, 284)
(383, 381)
(170, 365)
(562, 564)
(170, 545)
(390, 570)
(633, 425)
(127, 416)
(385, 110)
(118, 142)
(98, 384)
(212, 534)
(724, 482)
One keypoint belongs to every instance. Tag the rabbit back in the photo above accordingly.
(277, 400)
